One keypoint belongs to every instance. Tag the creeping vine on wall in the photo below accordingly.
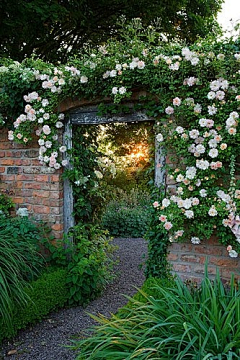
(193, 93)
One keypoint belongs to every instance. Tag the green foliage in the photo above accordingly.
(128, 214)
(47, 293)
(6, 203)
(82, 175)
(129, 147)
(91, 265)
(170, 74)
(25, 235)
(78, 23)
(158, 242)
(86, 254)
(20, 262)
(172, 321)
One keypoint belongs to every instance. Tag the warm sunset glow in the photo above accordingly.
(140, 152)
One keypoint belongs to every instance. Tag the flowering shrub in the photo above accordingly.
(207, 195)
(192, 92)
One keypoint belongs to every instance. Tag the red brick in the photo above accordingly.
(201, 269)
(18, 200)
(2, 169)
(181, 268)
(180, 247)
(172, 257)
(212, 241)
(57, 234)
(35, 162)
(192, 278)
(18, 185)
(2, 154)
(226, 273)
(41, 178)
(5, 146)
(190, 258)
(41, 209)
(22, 177)
(13, 154)
(8, 178)
(55, 177)
(8, 162)
(203, 249)
(225, 262)
(58, 227)
(56, 195)
(32, 185)
(40, 193)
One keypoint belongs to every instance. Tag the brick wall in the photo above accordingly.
(31, 185)
(188, 260)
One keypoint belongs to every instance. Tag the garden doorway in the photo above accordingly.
(86, 117)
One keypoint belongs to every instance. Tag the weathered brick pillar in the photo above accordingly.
(188, 260)
(30, 184)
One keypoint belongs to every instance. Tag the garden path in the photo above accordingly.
(47, 340)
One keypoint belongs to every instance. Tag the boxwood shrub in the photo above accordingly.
(46, 294)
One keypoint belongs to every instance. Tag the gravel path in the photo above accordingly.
(46, 340)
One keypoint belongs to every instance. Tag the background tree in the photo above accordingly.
(53, 29)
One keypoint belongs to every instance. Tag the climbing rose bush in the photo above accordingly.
(206, 196)
(192, 92)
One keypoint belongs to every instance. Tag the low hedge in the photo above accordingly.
(46, 294)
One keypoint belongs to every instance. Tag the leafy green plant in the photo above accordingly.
(15, 268)
(86, 254)
(174, 322)
(25, 236)
(90, 267)
(20, 262)
(126, 222)
(6, 203)
(128, 214)
(47, 293)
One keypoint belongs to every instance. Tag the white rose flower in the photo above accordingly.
(233, 254)
(211, 95)
(202, 122)
(113, 73)
(83, 80)
(59, 124)
(122, 90)
(179, 129)
(200, 149)
(45, 102)
(180, 178)
(193, 134)
(195, 240)
(187, 203)
(64, 162)
(46, 130)
(203, 193)
(189, 214)
(114, 90)
(41, 142)
(63, 149)
(48, 144)
(212, 211)
(22, 212)
(165, 202)
(159, 137)
(213, 153)
(191, 172)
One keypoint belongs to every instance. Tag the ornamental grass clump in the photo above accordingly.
(20, 262)
(174, 322)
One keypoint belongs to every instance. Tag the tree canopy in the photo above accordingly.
(55, 29)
